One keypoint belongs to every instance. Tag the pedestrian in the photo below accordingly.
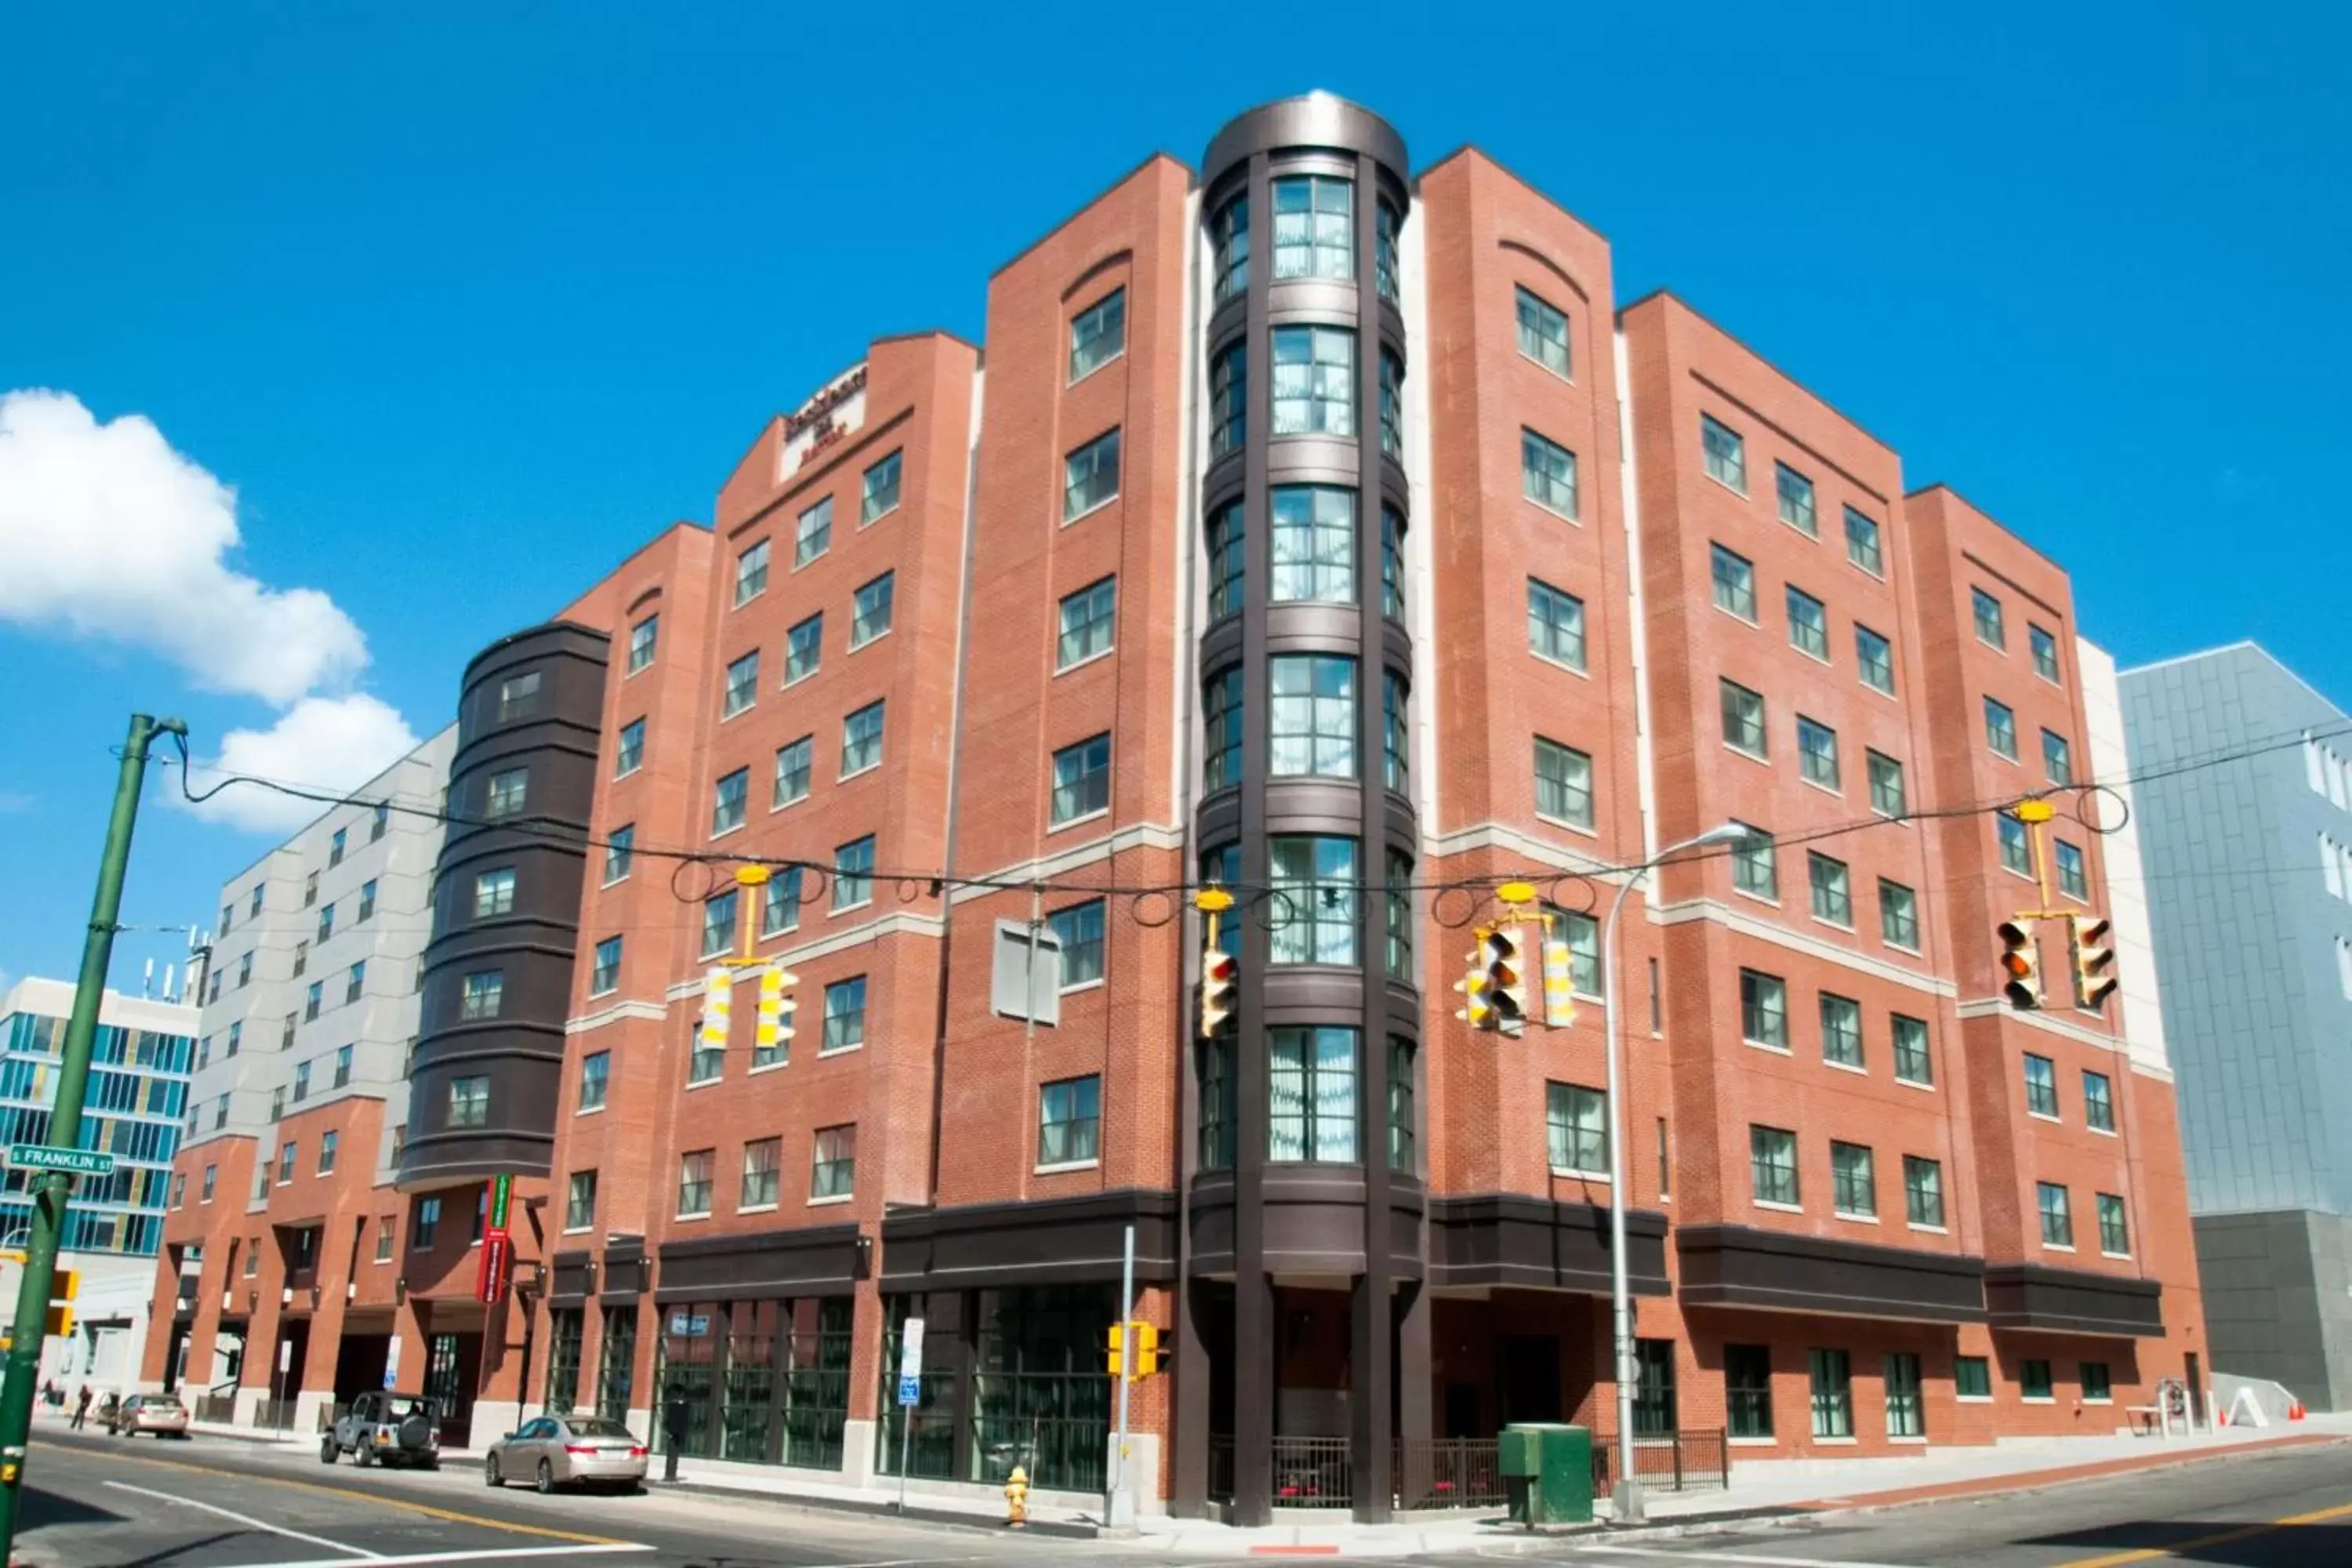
(82, 1408)
(49, 1392)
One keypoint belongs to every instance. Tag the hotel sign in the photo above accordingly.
(824, 419)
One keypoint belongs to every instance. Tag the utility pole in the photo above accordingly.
(49, 1188)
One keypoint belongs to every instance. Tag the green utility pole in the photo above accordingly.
(49, 1188)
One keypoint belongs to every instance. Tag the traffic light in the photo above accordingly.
(774, 1025)
(1144, 1362)
(1221, 990)
(1560, 981)
(2094, 959)
(2021, 960)
(61, 1321)
(1503, 955)
(1476, 987)
(718, 1007)
(65, 1285)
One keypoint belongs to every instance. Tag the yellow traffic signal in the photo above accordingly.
(1477, 987)
(774, 1024)
(1146, 1346)
(718, 1007)
(1503, 954)
(1221, 990)
(2094, 959)
(1559, 981)
(65, 1285)
(2021, 961)
(61, 1321)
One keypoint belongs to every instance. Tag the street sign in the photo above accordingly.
(284, 1354)
(910, 1391)
(390, 1362)
(689, 1325)
(910, 1348)
(491, 1277)
(74, 1161)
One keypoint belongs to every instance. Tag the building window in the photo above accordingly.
(1817, 753)
(1078, 929)
(794, 763)
(494, 893)
(1763, 1009)
(2057, 759)
(1314, 544)
(595, 1069)
(1069, 1120)
(1923, 1192)
(751, 574)
(804, 648)
(844, 1014)
(1396, 746)
(605, 974)
(2015, 854)
(1743, 719)
(1912, 1062)
(1863, 546)
(245, 972)
(629, 749)
(780, 909)
(642, 638)
(1313, 715)
(1898, 916)
(383, 814)
(1090, 477)
(1875, 657)
(764, 1160)
(694, 1184)
(879, 494)
(1575, 1127)
(1853, 1180)
(1311, 1106)
(1314, 914)
(1547, 474)
(2033, 1379)
(580, 1204)
(1230, 230)
(742, 685)
(1840, 1030)
(287, 1156)
(1081, 780)
(2098, 1101)
(1226, 564)
(335, 846)
(1088, 617)
(1543, 333)
(1653, 1386)
(2073, 880)
(2098, 1388)
(1392, 406)
(518, 695)
(1735, 581)
(1215, 1072)
(718, 924)
(309, 890)
(1832, 896)
(1809, 626)
(2041, 1085)
(861, 739)
(1748, 1390)
(2057, 1216)
(1403, 1135)
(424, 1227)
(871, 608)
(1229, 400)
(1392, 564)
(1555, 624)
(469, 1102)
(1755, 869)
(325, 927)
(2001, 728)
(1221, 711)
(212, 1182)
(1973, 1377)
(1906, 1411)
(2114, 1231)
(2045, 652)
(482, 994)
(377, 823)
(312, 1001)
(1725, 453)
(833, 1170)
(1796, 498)
(812, 533)
(853, 874)
(1989, 628)
(1098, 336)
(1314, 228)
(236, 1037)
(729, 800)
(1833, 1391)
(1887, 795)
(1772, 1165)
(1384, 250)
(1313, 381)
(367, 903)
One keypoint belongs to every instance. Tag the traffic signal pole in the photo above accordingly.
(49, 1188)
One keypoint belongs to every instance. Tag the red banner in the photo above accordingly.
(497, 1262)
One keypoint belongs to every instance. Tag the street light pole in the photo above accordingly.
(1626, 1498)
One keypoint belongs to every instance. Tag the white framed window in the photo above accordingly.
(1547, 474)
(1743, 719)
(1576, 1128)
(1314, 228)
(1840, 1030)
(1898, 915)
(1081, 780)
(844, 1014)
(812, 534)
(1555, 624)
(878, 491)
(1542, 332)
(1772, 1166)
(1088, 619)
(1314, 905)
(751, 574)
(1991, 628)
(853, 874)
(1098, 335)
(795, 760)
(1888, 796)
(728, 799)
(1312, 715)
(1735, 581)
(804, 648)
(1313, 381)
(642, 638)
(1563, 782)
(494, 893)
(1832, 895)
(742, 685)
(1755, 869)
(629, 749)
(1090, 477)
(1817, 753)
(1763, 1009)
(1724, 452)
(1874, 657)
(861, 739)
(1078, 929)
(1864, 544)
(2045, 652)
(1853, 1180)
(2001, 728)
(1794, 493)
(1313, 544)
(870, 609)
(1809, 624)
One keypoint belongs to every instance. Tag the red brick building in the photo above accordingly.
(1331, 534)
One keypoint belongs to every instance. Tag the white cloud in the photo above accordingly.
(110, 534)
(331, 744)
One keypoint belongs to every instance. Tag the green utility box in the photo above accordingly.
(1547, 1470)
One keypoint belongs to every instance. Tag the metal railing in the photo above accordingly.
(1666, 1461)
(1313, 1472)
(1449, 1472)
(220, 1408)
(1221, 1466)
(278, 1413)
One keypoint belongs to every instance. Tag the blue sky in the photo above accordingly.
(464, 309)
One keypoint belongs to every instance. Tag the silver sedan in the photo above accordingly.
(553, 1451)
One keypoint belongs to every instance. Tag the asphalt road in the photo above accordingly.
(98, 1502)
(2290, 1509)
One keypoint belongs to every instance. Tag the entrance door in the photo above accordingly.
(451, 1364)
(1527, 1377)
(2193, 1371)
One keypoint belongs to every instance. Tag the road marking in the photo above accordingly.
(497, 1554)
(2204, 1542)
(246, 1519)
(1758, 1558)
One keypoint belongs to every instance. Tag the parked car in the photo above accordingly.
(160, 1414)
(567, 1450)
(386, 1429)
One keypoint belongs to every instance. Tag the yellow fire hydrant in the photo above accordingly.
(1016, 1497)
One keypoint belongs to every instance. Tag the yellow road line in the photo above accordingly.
(2206, 1543)
(427, 1510)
